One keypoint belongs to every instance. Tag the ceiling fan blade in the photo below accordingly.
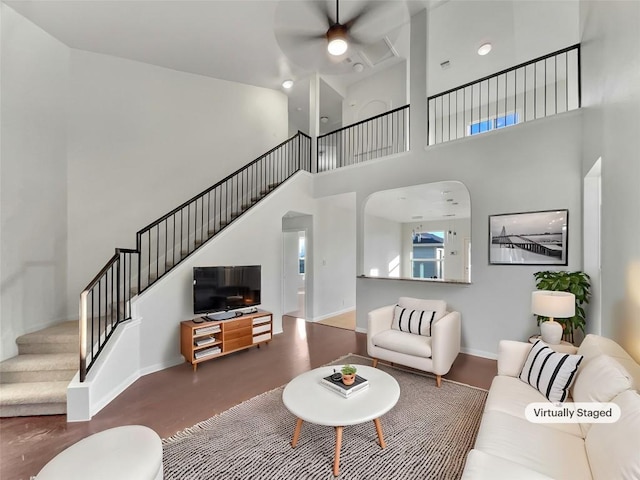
(356, 41)
(364, 11)
(323, 12)
(291, 36)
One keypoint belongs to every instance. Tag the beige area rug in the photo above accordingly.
(344, 320)
(428, 434)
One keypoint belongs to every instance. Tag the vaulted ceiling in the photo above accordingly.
(238, 40)
(245, 40)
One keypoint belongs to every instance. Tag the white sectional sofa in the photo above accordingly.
(508, 446)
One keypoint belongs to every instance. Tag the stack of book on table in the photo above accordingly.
(345, 390)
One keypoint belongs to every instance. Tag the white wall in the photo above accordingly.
(33, 171)
(379, 93)
(334, 256)
(382, 247)
(611, 101)
(554, 25)
(505, 171)
(143, 139)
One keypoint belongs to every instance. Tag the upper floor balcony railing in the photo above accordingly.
(375, 137)
(535, 89)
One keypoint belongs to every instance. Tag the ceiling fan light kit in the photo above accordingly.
(337, 40)
(325, 37)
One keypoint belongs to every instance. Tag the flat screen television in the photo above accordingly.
(222, 288)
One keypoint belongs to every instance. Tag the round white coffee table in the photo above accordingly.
(310, 401)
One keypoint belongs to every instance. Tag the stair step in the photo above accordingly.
(59, 338)
(33, 398)
(39, 368)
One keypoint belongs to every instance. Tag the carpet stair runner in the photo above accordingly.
(35, 381)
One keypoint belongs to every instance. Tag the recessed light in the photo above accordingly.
(287, 84)
(484, 49)
(324, 119)
(445, 192)
(358, 67)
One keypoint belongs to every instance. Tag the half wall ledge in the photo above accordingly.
(423, 280)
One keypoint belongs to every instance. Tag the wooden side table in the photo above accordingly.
(562, 347)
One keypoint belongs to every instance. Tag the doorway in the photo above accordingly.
(592, 205)
(297, 265)
(294, 272)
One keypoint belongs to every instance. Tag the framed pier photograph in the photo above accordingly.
(530, 238)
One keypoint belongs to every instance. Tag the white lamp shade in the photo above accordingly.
(553, 304)
(337, 46)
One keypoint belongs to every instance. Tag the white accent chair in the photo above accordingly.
(434, 354)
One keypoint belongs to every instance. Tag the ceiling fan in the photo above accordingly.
(322, 26)
(338, 35)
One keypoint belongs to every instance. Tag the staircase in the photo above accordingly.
(166, 242)
(35, 382)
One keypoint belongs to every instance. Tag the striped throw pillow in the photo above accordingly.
(551, 373)
(413, 321)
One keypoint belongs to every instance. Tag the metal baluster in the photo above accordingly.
(545, 87)
(555, 75)
(535, 90)
(566, 82)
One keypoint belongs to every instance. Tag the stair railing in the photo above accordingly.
(166, 242)
(104, 303)
(379, 136)
(539, 88)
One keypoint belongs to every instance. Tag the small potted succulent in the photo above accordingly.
(348, 374)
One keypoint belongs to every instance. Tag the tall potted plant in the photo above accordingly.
(578, 283)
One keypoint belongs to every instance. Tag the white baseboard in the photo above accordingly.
(361, 330)
(113, 393)
(333, 314)
(162, 365)
(479, 353)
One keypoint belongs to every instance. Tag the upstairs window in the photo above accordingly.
(493, 123)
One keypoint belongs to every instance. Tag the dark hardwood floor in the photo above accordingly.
(177, 398)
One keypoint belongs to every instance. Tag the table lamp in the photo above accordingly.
(553, 305)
